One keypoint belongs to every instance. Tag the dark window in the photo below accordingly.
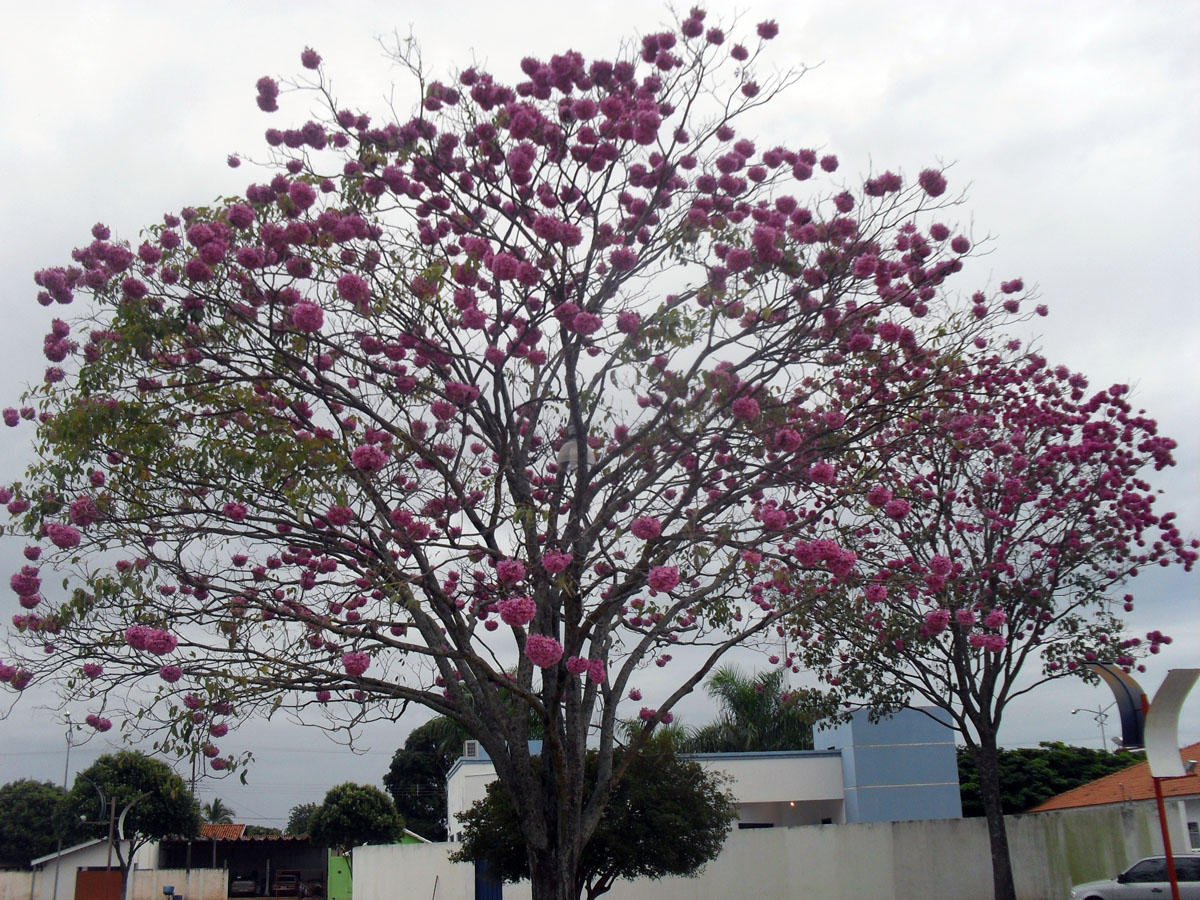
(745, 825)
(1147, 870)
(1187, 868)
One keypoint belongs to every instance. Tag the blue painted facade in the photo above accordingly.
(903, 767)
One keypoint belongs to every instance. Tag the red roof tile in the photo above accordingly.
(222, 832)
(1133, 783)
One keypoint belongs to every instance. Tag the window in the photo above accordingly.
(1194, 835)
(1187, 868)
(1147, 870)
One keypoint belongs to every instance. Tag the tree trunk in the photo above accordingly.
(988, 763)
(550, 877)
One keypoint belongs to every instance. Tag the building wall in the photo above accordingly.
(948, 859)
(903, 767)
(189, 884)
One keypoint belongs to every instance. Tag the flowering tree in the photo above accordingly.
(990, 542)
(484, 411)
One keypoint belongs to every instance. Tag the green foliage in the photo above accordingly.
(216, 812)
(416, 778)
(756, 715)
(155, 800)
(667, 816)
(28, 815)
(262, 831)
(1031, 776)
(299, 818)
(353, 815)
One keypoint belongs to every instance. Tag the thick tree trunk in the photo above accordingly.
(988, 763)
(550, 878)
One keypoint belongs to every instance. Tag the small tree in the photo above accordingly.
(1029, 776)
(756, 714)
(154, 801)
(353, 815)
(300, 818)
(416, 778)
(990, 539)
(30, 822)
(668, 816)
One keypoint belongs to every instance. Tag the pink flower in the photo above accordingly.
(635, 695)
(368, 458)
(93, 670)
(646, 527)
(878, 495)
(745, 408)
(995, 619)
(219, 764)
(353, 289)
(63, 536)
(84, 511)
(98, 722)
(964, 617)
(768, 29)
(663, 578)
(26, 583)
(510, 571)
(555, 561)
(627, 323)
(933, 182)
(355, 663)
(937, 620)
(596, 671)
(170, 674)
(939, 565)
(339, 516)
(577, 665)
(517, 611)
(310, 59)
(543, 650)
(897, 509)
(234, 511)
(307, 316)
(219, 730)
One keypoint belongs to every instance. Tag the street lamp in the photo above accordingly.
(1100, 714)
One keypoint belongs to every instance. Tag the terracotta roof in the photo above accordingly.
(1133, 783)
(222, 832)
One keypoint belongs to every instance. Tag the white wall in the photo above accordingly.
(944, 858)
(189, 884)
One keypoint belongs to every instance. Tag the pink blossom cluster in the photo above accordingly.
(153, 640)
(543, 650)
(517, 611)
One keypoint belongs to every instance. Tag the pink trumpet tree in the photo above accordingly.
(483, 410)
(991, 538)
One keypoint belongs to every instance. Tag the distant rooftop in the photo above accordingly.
(1133, 783)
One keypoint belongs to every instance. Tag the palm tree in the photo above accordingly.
(215, 812)
(757, 714)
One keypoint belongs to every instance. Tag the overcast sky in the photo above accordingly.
(1076, 126)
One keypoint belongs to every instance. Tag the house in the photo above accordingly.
(900, 768)
(261, 859)
(86, 870)
(1135, 786)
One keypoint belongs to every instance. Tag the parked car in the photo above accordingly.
(241, 885)
(287, 884)
(1146, 879)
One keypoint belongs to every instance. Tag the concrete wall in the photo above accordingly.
(16, 885)
(947, 859)
(193, 884)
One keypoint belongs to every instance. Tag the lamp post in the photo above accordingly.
(1100, 714)
(66, 771)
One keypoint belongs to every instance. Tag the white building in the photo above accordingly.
(898, 769)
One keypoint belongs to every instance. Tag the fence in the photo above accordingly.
(944, 858)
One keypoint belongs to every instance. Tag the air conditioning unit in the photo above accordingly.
(471, 749)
